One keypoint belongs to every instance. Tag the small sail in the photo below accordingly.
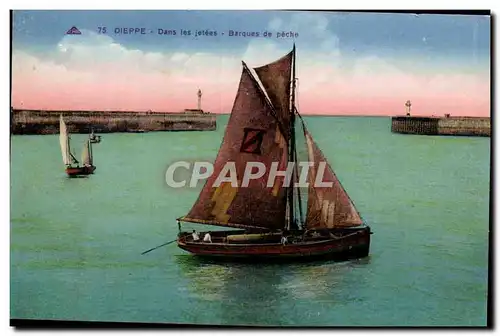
(252, 135)
(86, 154)
(327, 207)
(64, 141)
(276, 78)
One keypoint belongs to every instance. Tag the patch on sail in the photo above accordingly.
(223, 197)
(252, 141)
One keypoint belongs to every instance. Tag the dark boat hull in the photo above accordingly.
(80, 171)
(354, 243)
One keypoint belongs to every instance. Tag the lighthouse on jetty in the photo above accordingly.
(465, 126)
(408, 108)
(199, 100)
(198, 109)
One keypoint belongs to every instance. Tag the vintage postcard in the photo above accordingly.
(250, 168)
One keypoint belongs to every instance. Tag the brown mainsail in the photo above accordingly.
(327, 206)
(252, 135)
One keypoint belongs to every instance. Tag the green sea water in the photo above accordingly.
(76, 243)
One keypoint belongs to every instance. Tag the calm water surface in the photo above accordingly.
(76, 243)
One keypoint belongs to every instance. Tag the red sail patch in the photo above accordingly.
(252, 141)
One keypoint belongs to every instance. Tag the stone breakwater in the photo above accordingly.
(47, 122)
(457, 126)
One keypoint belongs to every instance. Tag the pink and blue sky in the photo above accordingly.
(347, 63)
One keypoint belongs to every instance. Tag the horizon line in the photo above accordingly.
(228, 113)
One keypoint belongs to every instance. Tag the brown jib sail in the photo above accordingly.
(327, 206)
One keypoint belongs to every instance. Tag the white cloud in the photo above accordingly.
(318, 53)
(100, 55)
(92, 52)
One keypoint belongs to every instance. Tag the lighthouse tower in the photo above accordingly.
(408, 107)
(199, 100)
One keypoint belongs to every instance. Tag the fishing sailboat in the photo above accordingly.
(267, 221)
(94, 138)
(73, 168)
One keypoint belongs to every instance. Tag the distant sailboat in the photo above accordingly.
(73, 168)
(94, 138)
(261, 129)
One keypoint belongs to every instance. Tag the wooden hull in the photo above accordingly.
(349, 244)
(80, 171)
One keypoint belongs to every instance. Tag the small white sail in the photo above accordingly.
(64, 141)
(86, 154)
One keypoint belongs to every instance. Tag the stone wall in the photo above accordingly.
(465, 126)
(47, 122)
(415, 125)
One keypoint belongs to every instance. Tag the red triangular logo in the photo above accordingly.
(73, 31)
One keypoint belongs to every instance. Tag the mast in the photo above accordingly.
(291, 154)
(299, 199)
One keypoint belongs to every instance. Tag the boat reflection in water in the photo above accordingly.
(206, 279)
(326, 282)
(270, 294)
(241, 294)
